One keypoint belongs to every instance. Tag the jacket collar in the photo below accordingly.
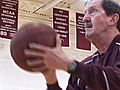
(116, 39)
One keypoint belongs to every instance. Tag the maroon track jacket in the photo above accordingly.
(97, 72)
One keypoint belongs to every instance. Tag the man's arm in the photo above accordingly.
(52, 82)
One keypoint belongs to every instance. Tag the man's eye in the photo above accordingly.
(93, 11)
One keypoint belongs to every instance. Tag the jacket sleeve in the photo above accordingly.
(72, 85)
(53, 86)
(102, 77)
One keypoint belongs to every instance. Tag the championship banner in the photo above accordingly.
(81, 41)
(8, 18)
(61, 25)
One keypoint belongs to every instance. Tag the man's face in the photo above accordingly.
(96, 20)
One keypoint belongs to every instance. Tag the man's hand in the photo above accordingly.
(38, 66)
(48, 57)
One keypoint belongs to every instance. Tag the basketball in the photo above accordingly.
(32, 32)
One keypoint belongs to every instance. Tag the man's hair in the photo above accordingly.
(110, 7)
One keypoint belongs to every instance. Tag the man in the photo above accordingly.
(101, 71)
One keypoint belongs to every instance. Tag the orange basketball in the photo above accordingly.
(33, 32)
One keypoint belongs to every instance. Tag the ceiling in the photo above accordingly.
(43, 8)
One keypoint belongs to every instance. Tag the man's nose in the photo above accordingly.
(86, 18)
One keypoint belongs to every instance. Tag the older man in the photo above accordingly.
(101, 71)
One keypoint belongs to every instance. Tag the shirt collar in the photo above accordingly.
(116, 39)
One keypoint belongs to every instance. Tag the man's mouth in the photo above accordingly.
(88, 25)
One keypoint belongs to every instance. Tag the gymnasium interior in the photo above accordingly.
(13, 77)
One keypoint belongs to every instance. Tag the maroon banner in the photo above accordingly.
(81, 41)
(61, 25)
(8, 18)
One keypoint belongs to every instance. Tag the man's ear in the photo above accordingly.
(114, 19)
